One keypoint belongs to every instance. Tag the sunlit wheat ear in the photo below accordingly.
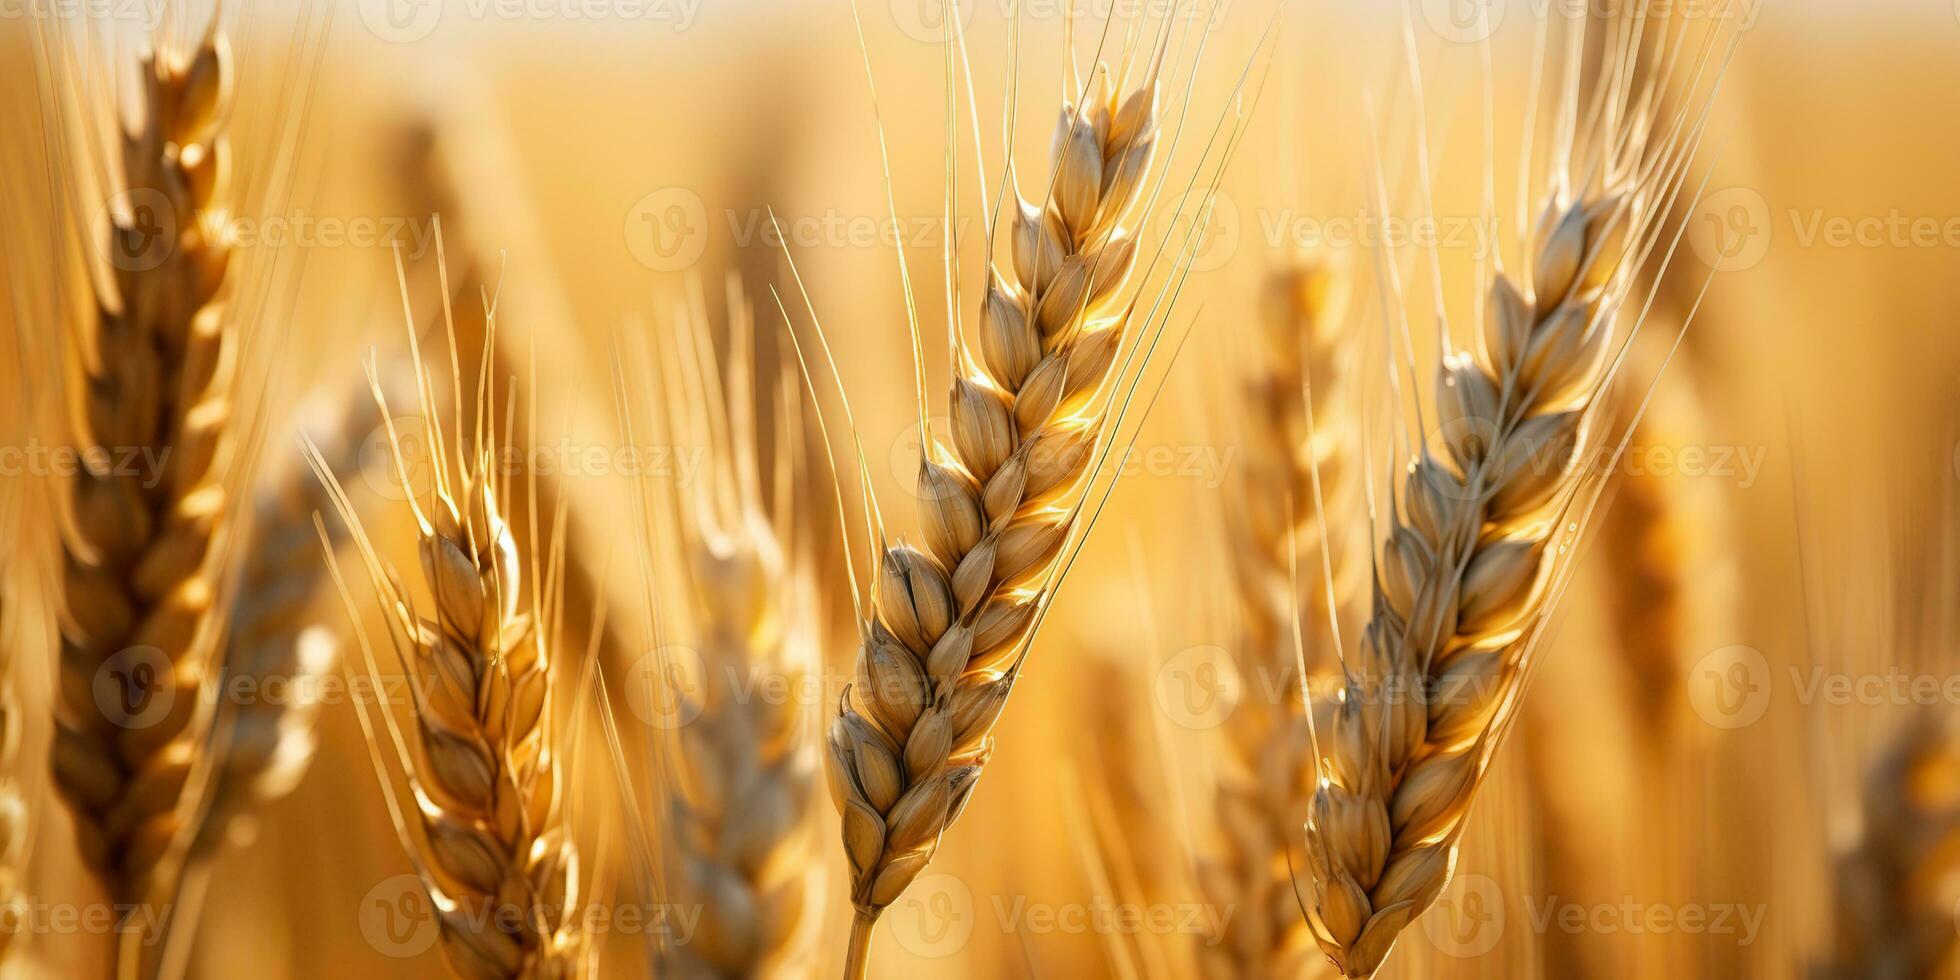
(1297, 448)
(1894, 904)
(266, 737)
(1478, 539)
(744, 760)
(947, 620)
(480, 753)
(139, 583)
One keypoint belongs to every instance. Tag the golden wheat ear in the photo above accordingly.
(738, 748)
(1481, 534)
(479, 747)
(1041, 391)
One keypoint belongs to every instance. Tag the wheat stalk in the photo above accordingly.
(1894, 909)
(493, 851)
(1473, 558)
(1294, 439)
(741, 813)
(947, 622)
(138, 587)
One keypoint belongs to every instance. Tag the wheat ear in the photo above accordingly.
(1891, 919)
(493, 850)
(742, 813)
(267, 740)
(139, 587)
(938, 653)
(1295, 436)
(1473, 556)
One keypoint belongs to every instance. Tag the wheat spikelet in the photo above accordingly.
(1895, 887)
(1276, 547)
(493, 850)
(138, 589)
(1474, 552)
(947, 621)
(745, 770)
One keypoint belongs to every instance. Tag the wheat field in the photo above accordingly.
(995, 488)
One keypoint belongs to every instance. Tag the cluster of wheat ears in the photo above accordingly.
(1392, 587)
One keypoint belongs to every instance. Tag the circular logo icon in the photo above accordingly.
(1463, 21)
(667, 230)
(140, 226)
(931, 20)
(398, 918)
(668, 686)
(400, 468)
(934, 918)
(909, 448)
(1730, 687)
(1199, 687)
(134, 688)
(1730, 230)
(1468, 918)
(1202, 232)
(401, 21)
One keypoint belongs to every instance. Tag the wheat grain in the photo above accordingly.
(938, 654)
(1291, 471)
(138, 589)
(493, 850)
(1472, 558)
(741, 817)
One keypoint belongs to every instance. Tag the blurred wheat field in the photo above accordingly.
(1735, 755)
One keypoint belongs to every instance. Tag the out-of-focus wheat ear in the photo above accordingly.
(479, 748)
(1291, 584)
(140, 584)
(1893, 908)
(1479, 538)
(265, 741)
(743, 761)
